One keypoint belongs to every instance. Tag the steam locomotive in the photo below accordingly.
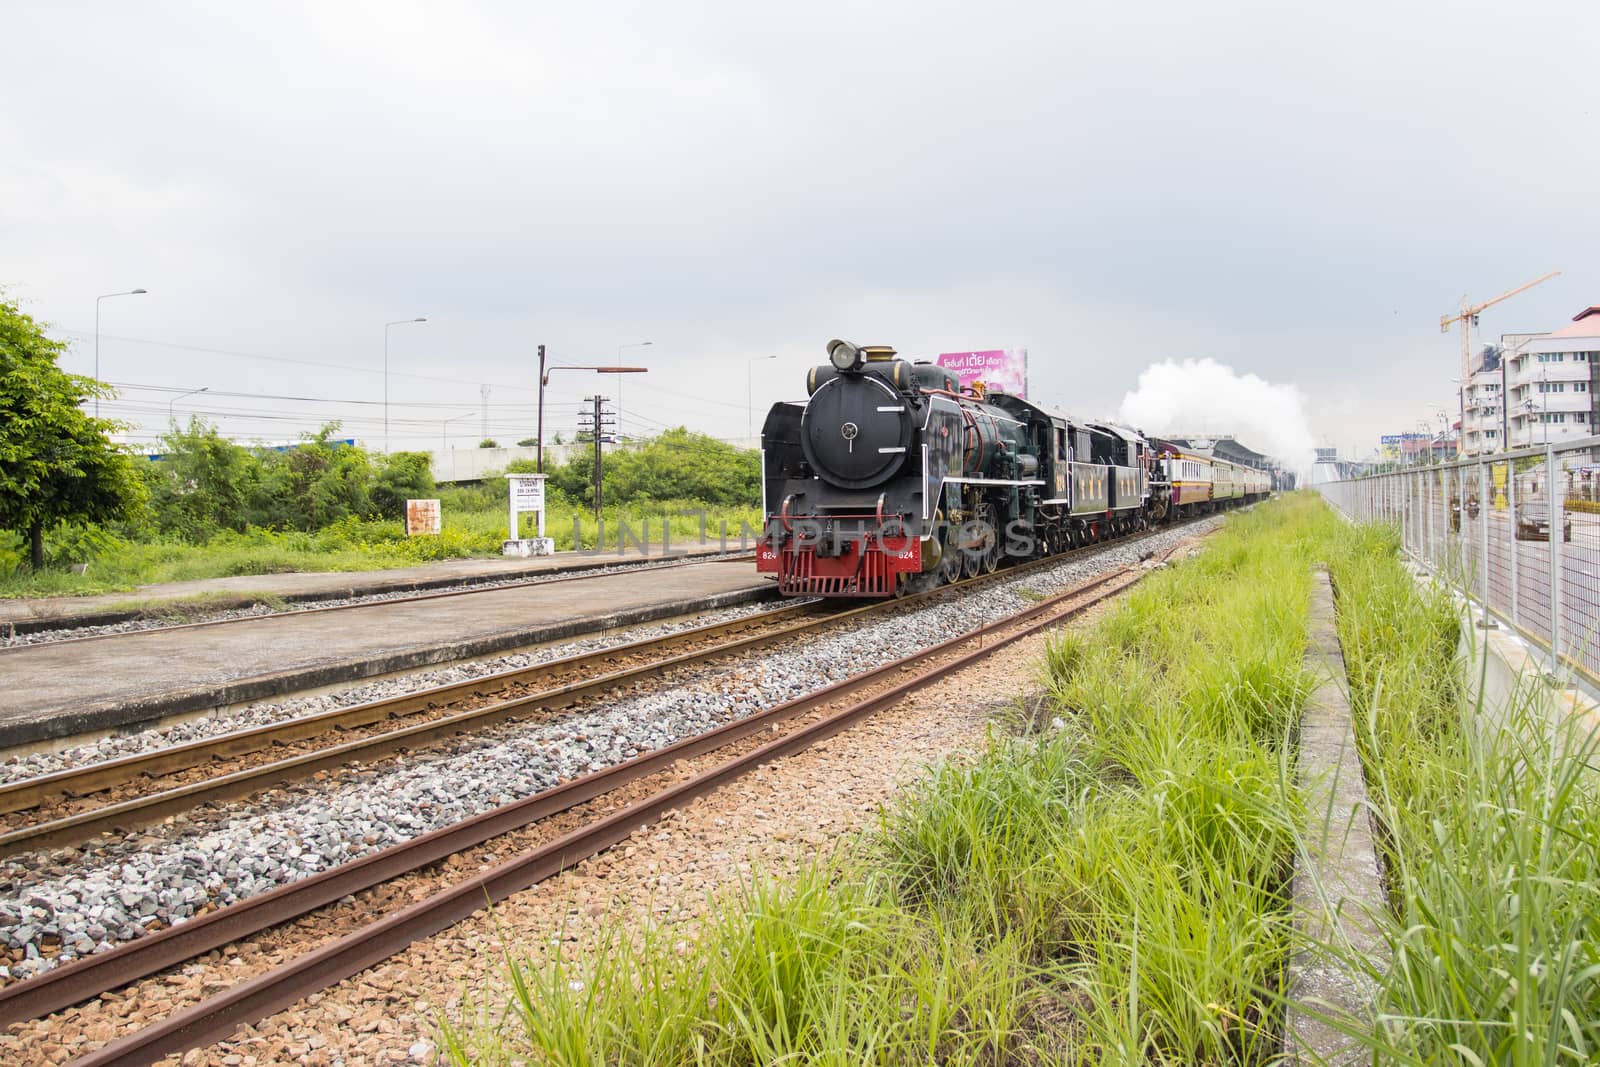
(891, 479)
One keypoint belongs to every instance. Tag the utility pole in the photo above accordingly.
(544, 380)
(483, 392)
(596, 423)
(539, 437)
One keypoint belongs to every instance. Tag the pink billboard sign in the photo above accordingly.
(1005, 369)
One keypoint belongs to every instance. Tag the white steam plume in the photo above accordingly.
(1202, 396)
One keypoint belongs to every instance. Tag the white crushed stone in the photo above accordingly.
(247, 717)
(94, 897)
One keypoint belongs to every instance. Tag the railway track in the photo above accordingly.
(80, 803)
(359, 601)
(739, 746)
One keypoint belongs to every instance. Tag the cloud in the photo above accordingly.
(1202, 396)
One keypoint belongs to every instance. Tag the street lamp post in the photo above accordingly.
(396, 322)
(106, 296)
(171, 418)
(749, 394)
(637, 344)
(544, 380)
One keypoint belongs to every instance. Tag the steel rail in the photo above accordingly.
(248, 780)
(83, 781)
(258, 997)
(93, 778)
(486, 586)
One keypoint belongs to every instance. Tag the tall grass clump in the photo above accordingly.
(1490, 829)
(1139, 851)
(1110, 888)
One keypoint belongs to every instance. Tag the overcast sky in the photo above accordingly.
(1294, 191)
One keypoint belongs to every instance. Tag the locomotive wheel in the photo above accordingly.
(971, 563)
(989, 559)
(950, 565)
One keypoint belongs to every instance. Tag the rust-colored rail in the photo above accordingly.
(88, 976)
(93, 778)
(254, 999)
(20, 796)
(99, 777)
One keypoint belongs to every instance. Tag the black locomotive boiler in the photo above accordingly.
(890, 479)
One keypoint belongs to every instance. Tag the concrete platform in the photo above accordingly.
(27, 616)
(70, 688)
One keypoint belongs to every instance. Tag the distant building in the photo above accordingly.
(1551, 382)
(1414, 449)
(1484, 404)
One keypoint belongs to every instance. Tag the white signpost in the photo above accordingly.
(527, 494)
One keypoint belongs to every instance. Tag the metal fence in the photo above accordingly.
(1517, 531)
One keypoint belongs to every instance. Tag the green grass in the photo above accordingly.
(189, 608)
(1491, 824)
(1110, 888)
(1107, 884)
(469, 529)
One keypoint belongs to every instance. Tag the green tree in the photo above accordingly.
(313, 485)
(203, 483)
(57, 463)
(404, 476)
(676, 465)
(680, 465)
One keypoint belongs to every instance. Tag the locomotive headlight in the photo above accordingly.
(844, 356)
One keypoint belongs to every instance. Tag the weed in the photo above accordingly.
(198, 605)
(1106, 887)
(1491, 833)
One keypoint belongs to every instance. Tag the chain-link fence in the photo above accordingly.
(1517, 531)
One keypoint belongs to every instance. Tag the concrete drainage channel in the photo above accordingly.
(1338, 886)
(832, 708)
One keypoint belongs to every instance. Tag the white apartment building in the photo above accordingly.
(1550, 380)
(1485, 426)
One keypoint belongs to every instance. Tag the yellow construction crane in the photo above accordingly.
(1468, 318)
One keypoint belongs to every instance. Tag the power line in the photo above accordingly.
(81, 335)
(322, 399)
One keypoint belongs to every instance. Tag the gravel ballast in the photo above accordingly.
(89, 899)
(32, 765)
